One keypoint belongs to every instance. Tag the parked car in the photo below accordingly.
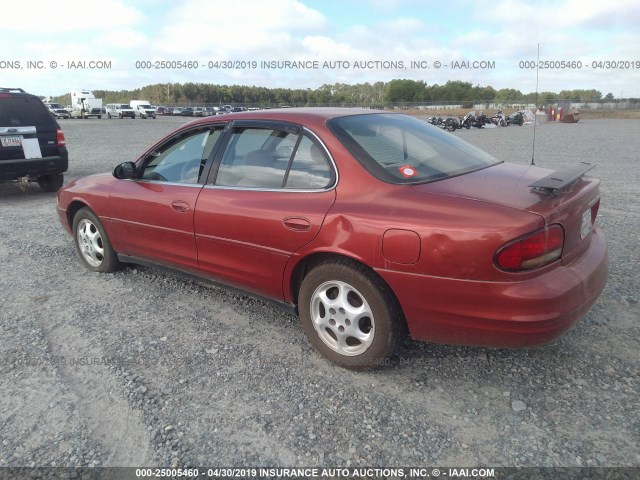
(32, 145)
(120, 110)
(176, 111)
(370, 225)
(187, 112)
(163, 111)
(207, 111)
(57, 110)
(198, 112)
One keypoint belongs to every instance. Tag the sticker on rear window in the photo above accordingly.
(407, 171)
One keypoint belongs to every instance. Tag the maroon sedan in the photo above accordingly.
(371, 225)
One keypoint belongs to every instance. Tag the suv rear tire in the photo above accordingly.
(51, 183)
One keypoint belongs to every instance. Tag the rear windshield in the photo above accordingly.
(24, 111)
(404, 149)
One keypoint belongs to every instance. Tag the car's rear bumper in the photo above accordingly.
(502, 314)
(32, 167)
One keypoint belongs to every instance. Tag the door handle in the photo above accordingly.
(297, 224)
(180, 206)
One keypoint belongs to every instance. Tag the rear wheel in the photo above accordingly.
(92, 243)
(51, 183)
(350, 315)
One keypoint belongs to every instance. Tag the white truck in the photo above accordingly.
(85, 105)
(143, 109)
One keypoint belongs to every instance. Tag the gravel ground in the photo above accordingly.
(143, 368)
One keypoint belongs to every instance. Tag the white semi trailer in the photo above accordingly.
(85, 105)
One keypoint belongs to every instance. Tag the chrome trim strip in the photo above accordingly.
(160, 182)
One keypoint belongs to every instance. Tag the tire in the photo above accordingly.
(99, 117)
(108, 115)
(92, 243)
(51, 183)
(350, 315)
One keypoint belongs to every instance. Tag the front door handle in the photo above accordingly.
(297, 224)
(180, 206)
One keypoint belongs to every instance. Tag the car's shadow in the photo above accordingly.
(13, 190)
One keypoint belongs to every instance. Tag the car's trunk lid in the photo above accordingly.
(574, 207)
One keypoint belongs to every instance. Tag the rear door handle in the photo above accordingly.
(297, 224)
(180, 206)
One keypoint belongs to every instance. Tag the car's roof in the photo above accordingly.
(297, 115)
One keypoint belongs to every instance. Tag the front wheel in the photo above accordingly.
(350, 315)
(92, 243)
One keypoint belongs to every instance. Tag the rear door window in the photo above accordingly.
(274, 158)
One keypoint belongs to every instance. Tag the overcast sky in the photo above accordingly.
(384, 37)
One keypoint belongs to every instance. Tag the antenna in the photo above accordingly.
(533, 147)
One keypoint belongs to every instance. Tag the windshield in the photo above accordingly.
(404, 149)
(123, 106)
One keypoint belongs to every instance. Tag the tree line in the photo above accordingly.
(378, 94)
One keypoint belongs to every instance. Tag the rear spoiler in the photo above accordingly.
(561, 178)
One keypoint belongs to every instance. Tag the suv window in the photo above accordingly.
(273, 159)
(25, 111)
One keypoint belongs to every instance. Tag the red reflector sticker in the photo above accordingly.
(407, 171)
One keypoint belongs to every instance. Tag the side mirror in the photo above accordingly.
(125, 171)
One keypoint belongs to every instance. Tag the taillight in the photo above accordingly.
(532, 251)
(594, 211)
(60, 138)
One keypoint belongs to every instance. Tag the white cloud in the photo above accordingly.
(506, 32)
(560, 15)
(250, 28)
(122, 38)
(66, 16)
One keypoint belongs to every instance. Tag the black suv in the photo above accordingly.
(31, 141)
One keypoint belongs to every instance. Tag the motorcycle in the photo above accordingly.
(516, 118)
(468, 120)
(452, 123)
(481, 120)
(436, 120)
(499, 119)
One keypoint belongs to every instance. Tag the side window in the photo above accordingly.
(310, 167)
(182, 160)
(256, 158)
